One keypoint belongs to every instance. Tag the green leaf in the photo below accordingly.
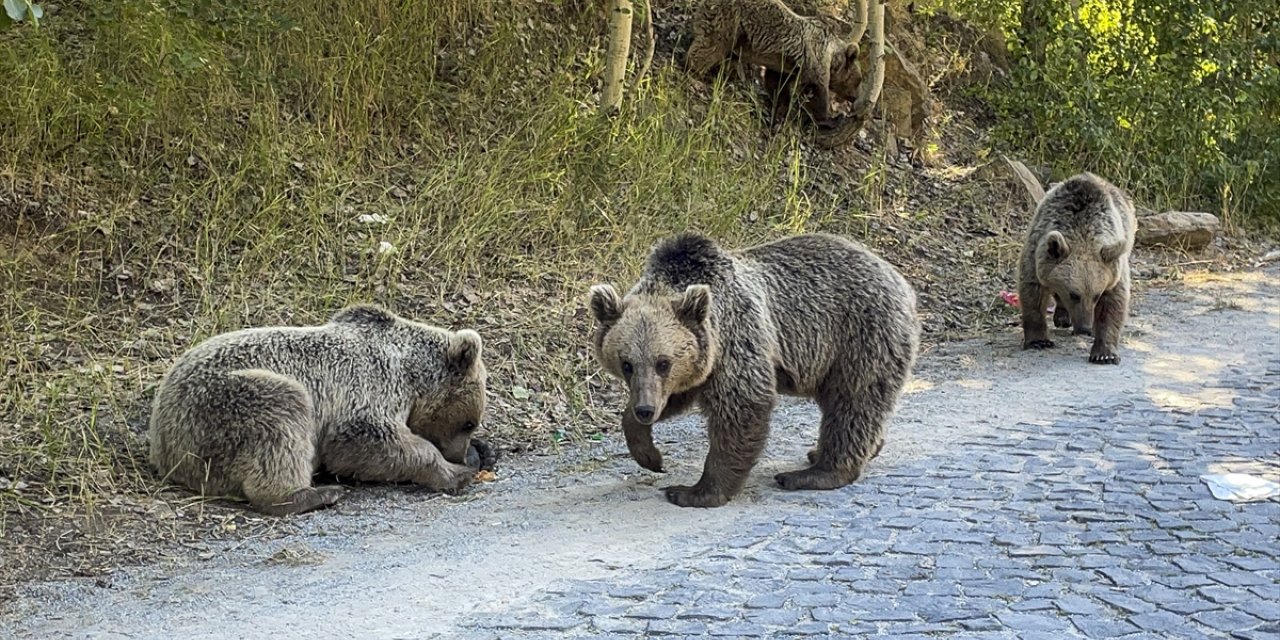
(520, 393)
(17, 9)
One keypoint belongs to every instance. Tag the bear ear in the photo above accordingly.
(851, 51)
(606, 306)
(694, 306)
(464, 350)
(1056, 246)
(1112, 252)
(366, 315)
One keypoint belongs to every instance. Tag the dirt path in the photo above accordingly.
(392, 563)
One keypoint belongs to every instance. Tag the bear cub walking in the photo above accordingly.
(1077, 251)
(812, 315)
(369, 395)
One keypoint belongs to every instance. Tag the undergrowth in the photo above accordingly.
(176, 169)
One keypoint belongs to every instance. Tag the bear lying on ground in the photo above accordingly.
(369, 395)
(1077, 250)
(817, 49)
(812, 315)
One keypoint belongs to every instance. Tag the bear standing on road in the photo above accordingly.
(369, 395)
(1077, 250)
(811, 315)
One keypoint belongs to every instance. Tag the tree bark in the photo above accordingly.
(871, 85)
(618, 53)
(650, 46)
(859, 20)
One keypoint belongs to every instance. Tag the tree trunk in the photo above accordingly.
(859, 20)
(616, 60)
(869, 92)
(649, 46)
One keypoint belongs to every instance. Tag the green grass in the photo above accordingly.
(171, 170)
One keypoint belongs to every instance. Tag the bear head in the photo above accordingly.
(445, 375)
(1078, 275)
(658, 344)
(448, 413)
(846, 72)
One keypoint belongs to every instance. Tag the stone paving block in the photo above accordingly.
(1239, 578)
(1096, 627)
(1227, 620)
(1041, 622)
(676, 628)
(737, 630)
(994, 588)
(1160, 622)
(653, 611)
(1264, 632)
(1077, 605)
(1263, 609)
(1221, 594)
(774, 617)
(1124, 602)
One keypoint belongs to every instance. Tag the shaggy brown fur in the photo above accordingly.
(816, 49)
(811, 315)
(369, 395)
(1077, 250)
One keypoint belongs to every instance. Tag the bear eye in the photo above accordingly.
(626, 369)
(1075, 297)
(662, 366)
(469, 426)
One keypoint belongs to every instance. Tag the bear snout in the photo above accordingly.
(644, 413)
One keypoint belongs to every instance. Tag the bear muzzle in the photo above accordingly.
(644, 413)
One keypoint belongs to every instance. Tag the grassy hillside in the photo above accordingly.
(171, 169)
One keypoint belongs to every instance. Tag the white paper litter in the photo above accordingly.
(1240, 487)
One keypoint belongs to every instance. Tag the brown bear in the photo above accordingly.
(818, 49)
(812, 315)
(368, 395)
(1077, 251)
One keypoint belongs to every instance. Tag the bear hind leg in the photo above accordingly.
(851, 434)
(1061, 317)
(300, 501)
(276, 466)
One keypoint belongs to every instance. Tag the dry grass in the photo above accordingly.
(166, 175)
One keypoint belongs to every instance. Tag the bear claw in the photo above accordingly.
(650, 459)
(1104, 358)
(481, 456)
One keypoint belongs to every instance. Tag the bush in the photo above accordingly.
(1177, 99)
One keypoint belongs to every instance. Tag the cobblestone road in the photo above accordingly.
(1092, 526)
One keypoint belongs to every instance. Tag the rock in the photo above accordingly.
(1182, 229)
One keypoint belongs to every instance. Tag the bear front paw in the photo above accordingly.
(481, 456)
(456, 478)
(648, 457)
(683, 496)
(1038, 344)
